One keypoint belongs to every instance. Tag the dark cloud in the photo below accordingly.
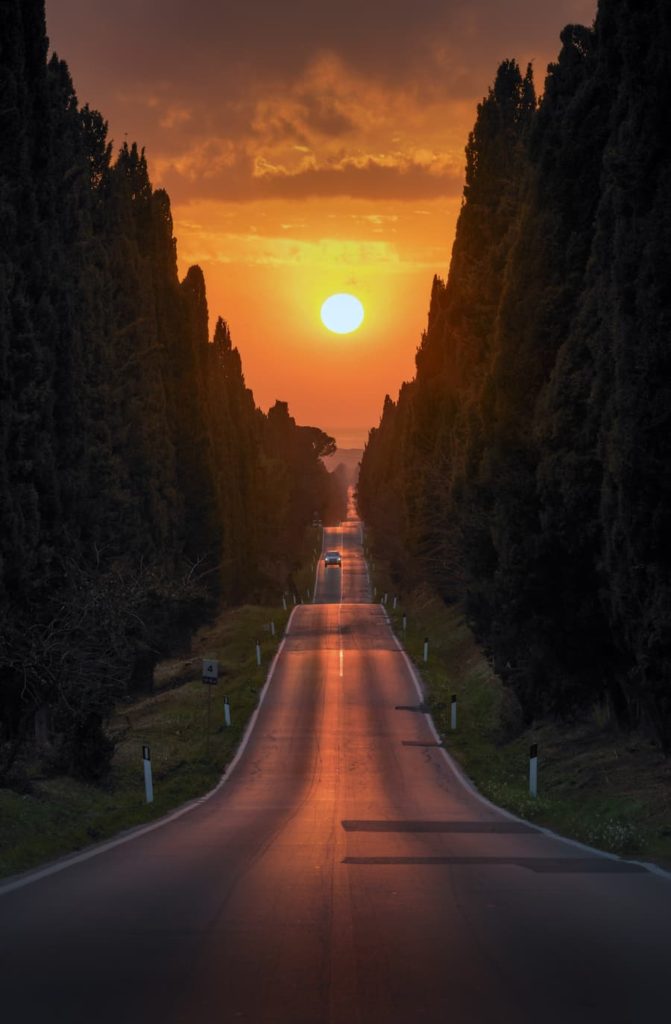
(323, 116)
(199, 46)
(270, 38)
(179, 75)
(367, 180)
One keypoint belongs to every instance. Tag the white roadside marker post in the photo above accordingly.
(405, 622)
(374, 591)
(533, 769)
(227, 711)
(272, 627)
(209, 675)
(148, 784)
(284, 601)
(394, 604)
(294, 597)
(453, 711)
(385, 598)
(258, 653)
(426, 649)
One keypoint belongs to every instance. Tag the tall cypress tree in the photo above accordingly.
(134, 476)
(531, 448)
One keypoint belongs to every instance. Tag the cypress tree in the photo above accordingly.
(526, 465)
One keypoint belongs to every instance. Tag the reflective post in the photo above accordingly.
(533, 769)
(148, 784)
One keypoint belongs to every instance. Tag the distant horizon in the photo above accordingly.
(347, 437)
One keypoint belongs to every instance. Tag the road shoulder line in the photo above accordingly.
(69, 860)
(473, 790)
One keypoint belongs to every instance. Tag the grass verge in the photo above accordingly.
(600, 786)
(59, 815)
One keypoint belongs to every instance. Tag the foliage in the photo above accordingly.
(56, 813)
(596, 784)
(525, 468)
(130, 447)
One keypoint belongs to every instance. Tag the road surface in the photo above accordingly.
(342, 875)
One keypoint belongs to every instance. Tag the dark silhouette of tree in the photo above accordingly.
(524, 470)
(139, 484)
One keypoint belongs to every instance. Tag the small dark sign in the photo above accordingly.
(210, 673)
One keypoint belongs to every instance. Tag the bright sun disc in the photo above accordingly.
(342, 313)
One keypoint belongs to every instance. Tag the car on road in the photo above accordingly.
(332, 558)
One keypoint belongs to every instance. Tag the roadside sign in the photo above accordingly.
(210, 671)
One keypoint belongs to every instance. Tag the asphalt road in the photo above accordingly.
(344, 874)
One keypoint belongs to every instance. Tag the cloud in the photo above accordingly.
(299, 98)
(364, 178)
(332, 133)
(200, 42)
(217, 60)
(263, 250)
(323, 116)
(217, 171)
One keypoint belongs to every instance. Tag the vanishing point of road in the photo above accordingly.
(343, 874)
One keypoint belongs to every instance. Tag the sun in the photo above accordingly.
(342, 313)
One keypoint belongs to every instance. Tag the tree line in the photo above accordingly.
(139, 484)
(525, 469)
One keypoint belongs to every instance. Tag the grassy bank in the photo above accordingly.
(56, 815)
(605, 788)
(59, 814)
(608, 789)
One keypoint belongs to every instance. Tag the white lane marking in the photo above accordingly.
(470, 786)
(341, 653)
(70, 861)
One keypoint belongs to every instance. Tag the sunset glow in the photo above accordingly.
(311, 160)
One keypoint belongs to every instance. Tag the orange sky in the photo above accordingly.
(308, 148)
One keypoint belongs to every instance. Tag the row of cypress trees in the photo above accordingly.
(139, 484)
(525, 469)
